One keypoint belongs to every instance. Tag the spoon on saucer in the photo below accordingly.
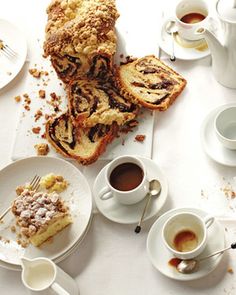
(171, 29)
(188, 266)
(154, 190)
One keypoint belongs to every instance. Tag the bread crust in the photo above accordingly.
(106, 138)
(128, 93)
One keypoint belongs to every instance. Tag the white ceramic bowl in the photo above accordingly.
(225, 127)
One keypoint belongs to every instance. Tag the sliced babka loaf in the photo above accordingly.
(92, 102)
(149, 82)
(83, 144)
(80, 38)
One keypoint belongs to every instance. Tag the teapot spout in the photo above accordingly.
(218, 51)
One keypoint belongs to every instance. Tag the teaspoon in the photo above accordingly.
(188, 266)
(154, 190)
(171, 29)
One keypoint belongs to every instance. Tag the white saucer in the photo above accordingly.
(16, 40)
(160, 256)
(165, 43)
(129, 214)
(213, 148)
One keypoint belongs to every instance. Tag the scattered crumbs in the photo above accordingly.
(203, 195)
(36, 130)
(35, 73)
(228, 191)
(17, 98)
(121, 55)
(60, 84)
(230, 270)
(38, 115)
(9, 73)
(42, 149)
(140, 137)
(123, 141)
(42, 93)
(24, 243)
(43, 135)
(7, 241)
(19, 189)
(19, 235)
(13, 228)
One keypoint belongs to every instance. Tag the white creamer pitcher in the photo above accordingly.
(41, 276)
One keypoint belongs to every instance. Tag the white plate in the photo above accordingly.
(9, 68)
(160, 256)
(77, 196)
(165, 43)
(129, 214)
(60, 258)
(213, 148)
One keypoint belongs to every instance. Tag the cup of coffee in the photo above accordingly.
(225, 127)
(190, 16)
(185, 234)
(126, 180)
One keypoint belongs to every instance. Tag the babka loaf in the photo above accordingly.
(149, 82)
(80, 38)
(83, 144)
(92, 102)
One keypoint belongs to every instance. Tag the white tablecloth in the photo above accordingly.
(112, 259)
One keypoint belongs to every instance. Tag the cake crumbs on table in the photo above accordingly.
(17, 98)
(36, 130)
(42, 149)
(228, 191)
(230, 270)
(140, 137)
(13, 228)
(42, 93)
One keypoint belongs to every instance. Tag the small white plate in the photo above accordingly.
(213, 148)
(77, 196)
(165, 43)
(10, 67)
(160, 256)
(129, 214)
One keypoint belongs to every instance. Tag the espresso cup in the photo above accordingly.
(190, 16)
(185, 234)
(126, 180)
(225, 127)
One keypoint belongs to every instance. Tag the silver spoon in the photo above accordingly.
(188, 266)
(171, 29)
(154, 190)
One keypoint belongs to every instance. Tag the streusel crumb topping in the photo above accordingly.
(81, 27)
(35, 209)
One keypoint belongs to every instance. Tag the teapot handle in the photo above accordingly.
(58, 289)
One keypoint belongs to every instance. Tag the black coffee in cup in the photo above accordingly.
(126, 176)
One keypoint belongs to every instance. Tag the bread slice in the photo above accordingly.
(149, 82)
(83, 144)
(92, 103)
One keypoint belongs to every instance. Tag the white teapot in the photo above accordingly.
(223, 51)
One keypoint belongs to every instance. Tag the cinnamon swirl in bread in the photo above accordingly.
(80, 38)
(149, 82)
(92, 102)
(82, 144)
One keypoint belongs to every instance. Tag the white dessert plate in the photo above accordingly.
(160, 256)
(211, 145)
(129, 214)
(185, 51)
(10, 67)
(58, 259)
(77, 196)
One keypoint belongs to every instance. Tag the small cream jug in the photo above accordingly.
(223, 51)
(41, 276)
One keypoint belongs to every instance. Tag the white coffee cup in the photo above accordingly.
(225, 127)
(127, 197)
(179, 224)
(185, 7)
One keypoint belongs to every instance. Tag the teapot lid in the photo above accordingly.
(227, 10)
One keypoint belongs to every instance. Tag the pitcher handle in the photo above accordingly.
(59, 290)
